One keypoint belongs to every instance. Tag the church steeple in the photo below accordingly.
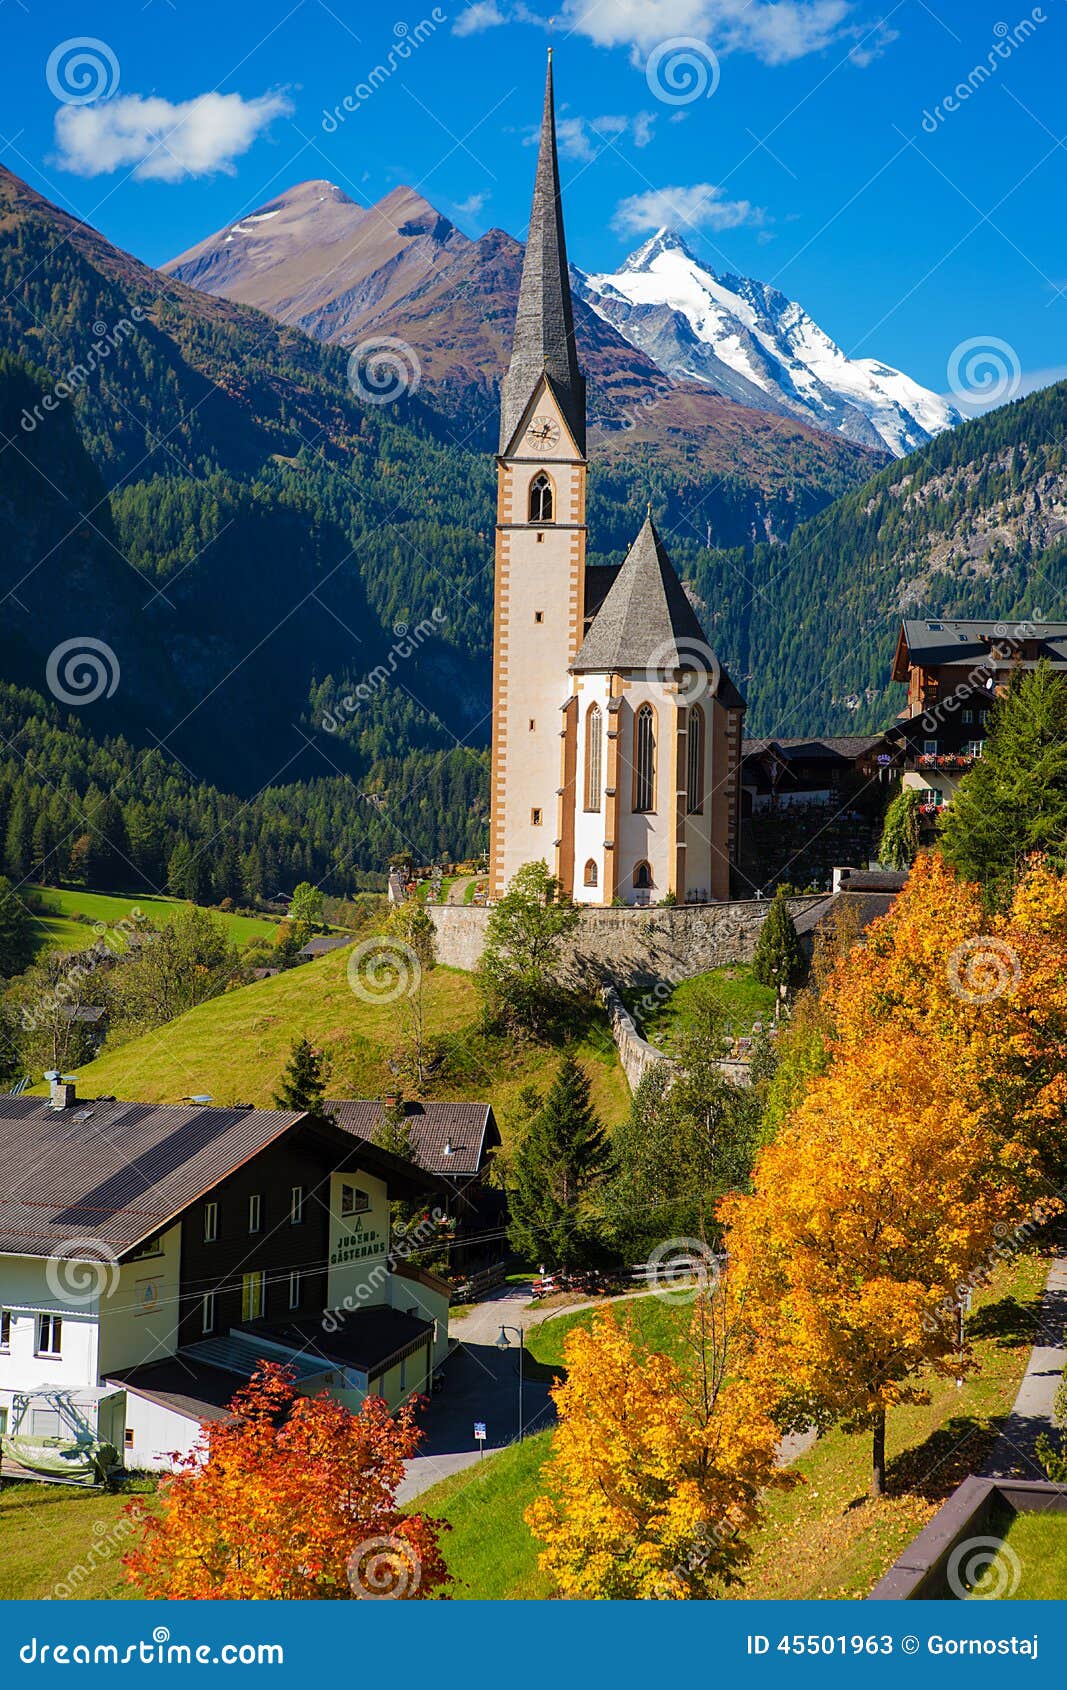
(544, 323)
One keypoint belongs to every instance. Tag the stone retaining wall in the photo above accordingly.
(636, 1055)
(634, 947)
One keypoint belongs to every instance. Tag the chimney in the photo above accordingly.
(62, 1092)
(391, 1099)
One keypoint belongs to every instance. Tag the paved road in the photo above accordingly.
(481, 1383)
(1013, 1454)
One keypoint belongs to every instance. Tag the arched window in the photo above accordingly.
(643, 878)
(540, 498)
(590, 873)
(594, 742)
(645, 759)
(695, 760)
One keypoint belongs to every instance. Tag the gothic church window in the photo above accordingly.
(645, 759)
(594, 741)
(540, 498)
(695, 759)
(590, 873)
(643, 878)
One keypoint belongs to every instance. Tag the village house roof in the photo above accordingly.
(846, 747)
(544, 343)
(199, 1382)
(946, 642)
(116, 1173)
(646, 622)
(449, 1139)
(324, 943)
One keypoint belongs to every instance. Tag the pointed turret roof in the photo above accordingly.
(544, 323)
(646, 621)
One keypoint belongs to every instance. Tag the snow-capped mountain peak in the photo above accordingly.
(751, 342)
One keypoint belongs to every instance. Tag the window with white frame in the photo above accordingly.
(49, 1335)
(296, 1205)
(255, 1212)
(929, 747)
(353, 1200)
(295, 1289)
(207, 1313)
(5, 1330)
(211, 1222)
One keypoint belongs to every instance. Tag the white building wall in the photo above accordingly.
(646, 836)
(540, 571)
(139, 1317)
(590, 825)
(29, 1286)
(359, 1247)
(158, 1433)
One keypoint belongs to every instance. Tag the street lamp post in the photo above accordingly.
(504, 1343)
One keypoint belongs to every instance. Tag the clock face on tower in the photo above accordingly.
(543, 434)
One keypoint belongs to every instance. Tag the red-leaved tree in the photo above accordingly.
(292, 1497)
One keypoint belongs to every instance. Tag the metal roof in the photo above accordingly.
(109, 1174)
(469, 1128)
(935, 642)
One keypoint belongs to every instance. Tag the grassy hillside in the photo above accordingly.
(235, 1047)
(58, 930)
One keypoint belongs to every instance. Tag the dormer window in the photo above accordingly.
(540, 498)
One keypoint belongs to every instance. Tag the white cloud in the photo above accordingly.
(582, 138)
(776, 31)
(484, 14)
(165, 142)
(470, 207)
(698, 207)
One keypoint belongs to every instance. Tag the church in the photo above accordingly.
(616, 731)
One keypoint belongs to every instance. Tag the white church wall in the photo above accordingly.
(645, 836)
(590, 826)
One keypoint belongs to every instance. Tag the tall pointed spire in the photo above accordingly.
(544, 322)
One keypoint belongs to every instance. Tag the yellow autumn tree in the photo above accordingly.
(657, 1467)
(929, 1135)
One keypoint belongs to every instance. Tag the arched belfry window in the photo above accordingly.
(645, 759)
(694, 781)
(590, 873)
(594, 757)
(540, 498)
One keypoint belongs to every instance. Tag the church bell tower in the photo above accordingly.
(539, 588)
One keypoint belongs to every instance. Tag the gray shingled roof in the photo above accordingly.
(544, 322)
(646, 620)
(118, 1172)
(947, 640)
(468, 1127)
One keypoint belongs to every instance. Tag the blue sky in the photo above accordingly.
(809, 142)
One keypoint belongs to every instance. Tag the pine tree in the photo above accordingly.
(562, 1158)
(1014, 801)
(779, 960)
(17, 942)
(303, 1085)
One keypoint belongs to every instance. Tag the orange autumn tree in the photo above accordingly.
(925, 1139)
(292, 1497)
(657, 1467)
